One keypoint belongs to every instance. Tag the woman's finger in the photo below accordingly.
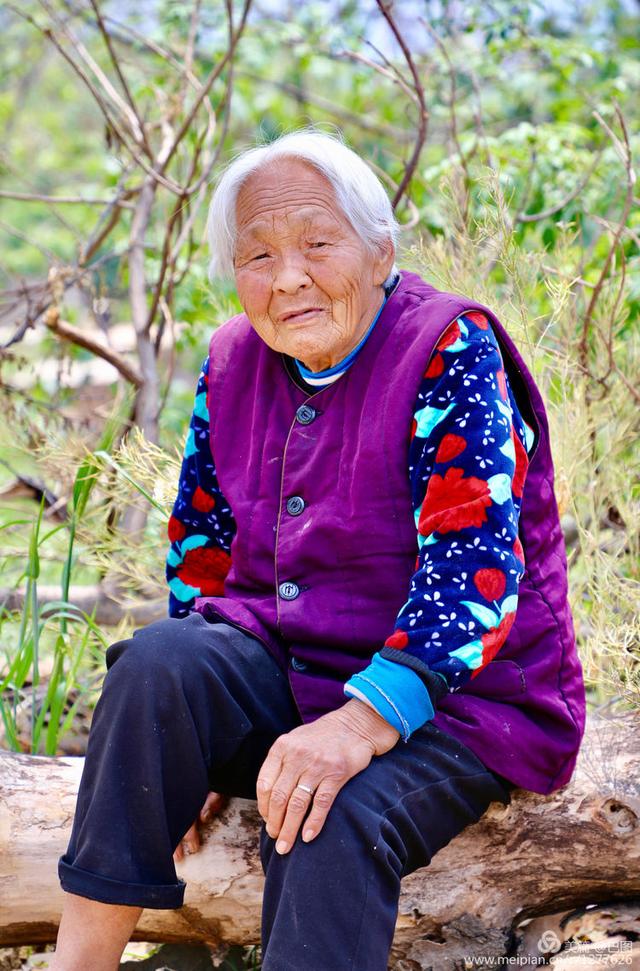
(279, 799)
(297, 808)
(267, 776)
(214, 803)
(323, 800)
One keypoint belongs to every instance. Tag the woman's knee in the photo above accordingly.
(169, 643)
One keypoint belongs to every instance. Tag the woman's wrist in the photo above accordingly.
(369, 724)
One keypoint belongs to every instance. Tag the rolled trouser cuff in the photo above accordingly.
(74, 879)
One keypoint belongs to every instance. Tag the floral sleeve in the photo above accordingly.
(468, 461)
(201, 526)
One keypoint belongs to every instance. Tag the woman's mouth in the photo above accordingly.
(295, 316)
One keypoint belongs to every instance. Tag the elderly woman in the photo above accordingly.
(369, 621)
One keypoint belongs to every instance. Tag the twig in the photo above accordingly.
(63, 200)
(395, 71)
(208, 83)
(385, 72)
(451, 70)
(13, 231)
(478, 118)
(535, 217)
(128, 114)
(358, 120)
(624, 149)
(393, 185)
(76, 336)
(191, 43)
(123, 81)
(111, 121)
(108, 218)
(423, 116)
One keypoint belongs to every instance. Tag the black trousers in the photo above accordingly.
(189, 707)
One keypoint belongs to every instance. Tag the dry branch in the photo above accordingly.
(539, 855)
(80, 337)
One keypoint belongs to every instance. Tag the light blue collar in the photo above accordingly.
(345, 363)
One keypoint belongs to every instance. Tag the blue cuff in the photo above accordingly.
(396, 692)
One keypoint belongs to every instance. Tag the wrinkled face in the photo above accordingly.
(304, 277)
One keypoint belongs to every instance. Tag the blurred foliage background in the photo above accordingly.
(505, 131)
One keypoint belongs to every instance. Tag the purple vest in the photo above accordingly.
(322, 588)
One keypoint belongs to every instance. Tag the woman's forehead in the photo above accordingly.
(288, 190)
(289, 219)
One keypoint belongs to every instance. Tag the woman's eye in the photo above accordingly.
(260, 256)
(318, 244)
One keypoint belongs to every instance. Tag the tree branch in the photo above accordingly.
(423, 114)
(80, 338)
(624, 151)
(63, 200)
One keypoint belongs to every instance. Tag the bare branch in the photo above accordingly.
(80, 338)
(383, 71)
(393, 185)
(13, 231)
(56, 200)
(453, 93)
(128, 114)
(108, 219)
(394, 72)
(331, 108)
(423, 116)
(191, 43)
(552, 210)
(624, 150)
(208, 83)
(116, 65)
(104, 107)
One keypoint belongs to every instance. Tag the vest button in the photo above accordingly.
(289, 590)
(306, 414)
(295, 505)
(298, 665)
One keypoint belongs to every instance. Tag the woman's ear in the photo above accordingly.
(383, 261)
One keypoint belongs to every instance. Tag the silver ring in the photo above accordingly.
(308, 789)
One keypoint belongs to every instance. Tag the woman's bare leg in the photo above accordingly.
(92, 935)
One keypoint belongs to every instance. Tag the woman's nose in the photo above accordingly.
(290, 275)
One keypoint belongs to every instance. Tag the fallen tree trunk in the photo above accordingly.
(539, 855)
(108, 612)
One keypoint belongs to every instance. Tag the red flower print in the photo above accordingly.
(450, 336)
(205, 568)
(453, 502)
(518, 550)
(491, 583)
(493, 640)
(414, 426)
(450, 447)
(202, 501)
(479, 319)
(436, 367)
(522, 463)
(175, 529)
(398, 639)
(502, 384)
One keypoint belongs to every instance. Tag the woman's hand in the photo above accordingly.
(323, 756)
(214, 804)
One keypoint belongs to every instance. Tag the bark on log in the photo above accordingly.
(539, 855)
(108, 612)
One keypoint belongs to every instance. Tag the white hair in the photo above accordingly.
(358, 191)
